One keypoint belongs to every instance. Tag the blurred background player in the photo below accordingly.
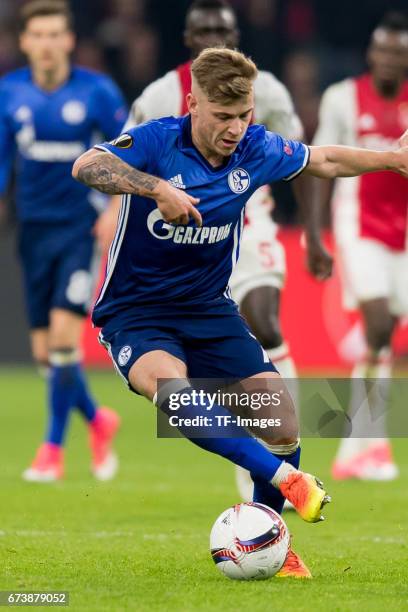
(259, 275)
(49, 112)
(370, 226)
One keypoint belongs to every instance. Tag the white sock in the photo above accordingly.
(282, 473)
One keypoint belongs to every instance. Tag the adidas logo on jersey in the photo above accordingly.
(177, 181)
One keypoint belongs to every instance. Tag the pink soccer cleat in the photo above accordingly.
(102, 430)
(48, 464)
(374, 463)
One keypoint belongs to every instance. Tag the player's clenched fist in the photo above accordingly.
(176, 205)
(109, 174)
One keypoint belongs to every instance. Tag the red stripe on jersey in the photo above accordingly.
(184, 75)
(383, 196)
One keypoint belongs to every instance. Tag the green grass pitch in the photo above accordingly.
(141, 542)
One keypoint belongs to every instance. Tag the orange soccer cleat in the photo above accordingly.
(306, 494)
(48, 464)
(102, 430)
(293, 567)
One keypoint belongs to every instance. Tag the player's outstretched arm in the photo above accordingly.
(109, 174)
(333, 161)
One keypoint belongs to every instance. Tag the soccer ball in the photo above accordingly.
(249, 541)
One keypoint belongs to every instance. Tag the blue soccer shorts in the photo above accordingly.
(60, 268)
(220, 347)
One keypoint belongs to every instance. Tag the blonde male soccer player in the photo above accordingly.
(165, 308)
(259, 275)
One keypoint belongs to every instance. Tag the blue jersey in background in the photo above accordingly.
(155, 265)
(45, 131)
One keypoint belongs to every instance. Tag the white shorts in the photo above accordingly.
(370, 270)
(261, 261)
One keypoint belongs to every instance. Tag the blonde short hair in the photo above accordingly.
(224, 75)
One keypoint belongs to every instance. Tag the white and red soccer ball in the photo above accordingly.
(249, 541)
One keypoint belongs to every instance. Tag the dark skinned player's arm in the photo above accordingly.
(319, 261)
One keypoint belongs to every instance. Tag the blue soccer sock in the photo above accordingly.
(67, 388)
(266, 493)
(84, 400)
(61, 395)
(230, 441)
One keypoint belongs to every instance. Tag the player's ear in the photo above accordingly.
(191, 104)
(70, 42)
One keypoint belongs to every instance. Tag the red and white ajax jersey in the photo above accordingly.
(375, 205)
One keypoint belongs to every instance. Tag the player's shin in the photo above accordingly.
(48, 464)
(222, 437)
(283, 361)
(84, 401)
(233, 442)
(61, 392)
(103, 426)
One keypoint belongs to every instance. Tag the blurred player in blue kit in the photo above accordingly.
(165, 308)
(49, 114)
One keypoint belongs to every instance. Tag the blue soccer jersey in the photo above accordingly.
(45, 132)
(152, 262)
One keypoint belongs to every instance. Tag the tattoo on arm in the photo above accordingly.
(109, 174)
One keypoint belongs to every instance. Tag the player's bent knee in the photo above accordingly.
(142, 380)
(274, 420)
(65, 328)
(153, 366)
